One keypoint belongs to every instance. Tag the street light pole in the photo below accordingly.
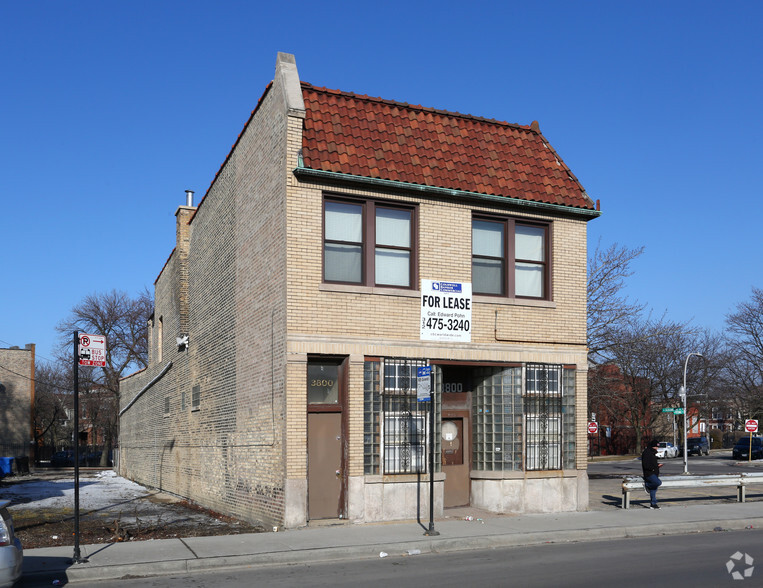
(683, 395)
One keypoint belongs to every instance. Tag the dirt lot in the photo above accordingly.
(111, 509)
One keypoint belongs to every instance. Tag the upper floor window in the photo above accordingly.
(160, 339)
(368, 243)
(510, 258)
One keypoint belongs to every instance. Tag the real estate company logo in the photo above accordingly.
(734, 565)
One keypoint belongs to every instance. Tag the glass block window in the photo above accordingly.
(568, 418)
(497, 419)
(371, 417)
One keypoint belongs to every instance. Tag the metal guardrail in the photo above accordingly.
(741, 481)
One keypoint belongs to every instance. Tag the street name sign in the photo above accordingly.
(668, 409)
(92, 350)
(678, 411)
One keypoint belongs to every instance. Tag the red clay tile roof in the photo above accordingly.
(351, 134)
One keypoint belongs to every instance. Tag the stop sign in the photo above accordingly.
(750, 425)
(593, 427)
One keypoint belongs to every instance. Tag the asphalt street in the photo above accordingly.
(698, 560)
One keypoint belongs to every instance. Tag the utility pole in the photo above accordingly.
(682, 393)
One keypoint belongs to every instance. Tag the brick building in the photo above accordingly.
(345, 242)
(16, 401)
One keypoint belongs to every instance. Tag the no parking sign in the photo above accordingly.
(92, 350)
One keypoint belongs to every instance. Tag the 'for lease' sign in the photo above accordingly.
(446, 311)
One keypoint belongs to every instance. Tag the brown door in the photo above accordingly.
(326, 391)
(454, 466)
(324, 465)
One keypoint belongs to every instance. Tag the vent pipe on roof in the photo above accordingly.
(189, 197)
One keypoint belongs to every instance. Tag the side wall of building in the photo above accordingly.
(16, 398)
(211, 428)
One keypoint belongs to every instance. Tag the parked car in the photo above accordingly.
(698, 445)
(65, 459)
(666, 450)
(742, 448)
(62, 459)
(11, 553)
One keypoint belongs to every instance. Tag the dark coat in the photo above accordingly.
(649, 462)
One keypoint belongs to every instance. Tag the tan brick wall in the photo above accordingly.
(347, 320)
(229, 455)
(16, 401)
(444, 254)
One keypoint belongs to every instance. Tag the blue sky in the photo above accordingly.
(110, 110)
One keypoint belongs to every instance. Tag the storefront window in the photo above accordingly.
(497, 414)
(549, 406)
(396, 424)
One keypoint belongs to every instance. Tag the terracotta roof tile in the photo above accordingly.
(371, 137)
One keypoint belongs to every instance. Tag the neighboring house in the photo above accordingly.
(16, 401)
(303, 295)
(98, 408)
(610, 402)
(723, 417)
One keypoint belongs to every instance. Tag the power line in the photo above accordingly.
(35, 380)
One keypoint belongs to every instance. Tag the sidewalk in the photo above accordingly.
(347, 542)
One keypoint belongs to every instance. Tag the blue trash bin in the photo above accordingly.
(6, 465)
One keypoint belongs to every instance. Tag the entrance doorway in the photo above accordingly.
(455, 460)
(326, 455)
(454, 383)
(324, 465)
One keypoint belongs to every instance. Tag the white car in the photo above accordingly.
(666, 450)
(11, 554)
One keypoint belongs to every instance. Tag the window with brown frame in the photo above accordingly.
(510, 257)
(369, 243)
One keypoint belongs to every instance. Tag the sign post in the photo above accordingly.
(423, 394)
(593, 429)
(89, 350)
(751, 426)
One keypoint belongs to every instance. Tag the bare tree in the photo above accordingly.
(643, 374)
(124, 322)
(745, 365)
(52, 404)
(609, 310)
